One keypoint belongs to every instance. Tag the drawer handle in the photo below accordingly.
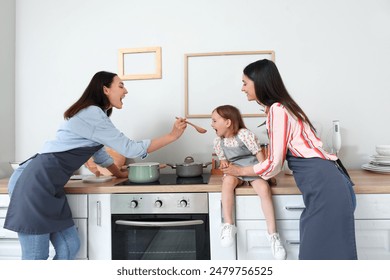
(292, 242)
(8, 238)
(295, 208)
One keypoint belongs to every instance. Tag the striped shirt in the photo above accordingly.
(286, 132)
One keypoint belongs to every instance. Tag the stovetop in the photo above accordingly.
(172, 179)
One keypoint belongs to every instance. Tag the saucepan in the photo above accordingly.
(189, 168)
(144, 172)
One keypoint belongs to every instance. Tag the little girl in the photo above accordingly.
(237, 144)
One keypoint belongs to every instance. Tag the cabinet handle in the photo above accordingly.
(292, 242)
(295, 208)
(98, 213)
(3, 207)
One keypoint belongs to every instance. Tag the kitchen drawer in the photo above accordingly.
(286, 207)
(372, 206)
(5, 233)
(4, 202)
(78, 203)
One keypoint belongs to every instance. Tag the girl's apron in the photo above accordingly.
(38, 202)
(240, 156)
(327, 225)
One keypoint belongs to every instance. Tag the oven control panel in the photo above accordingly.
(159, 203)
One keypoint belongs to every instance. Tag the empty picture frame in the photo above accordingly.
(214, 79)
(140, 63)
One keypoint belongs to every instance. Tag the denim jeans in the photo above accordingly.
(36, 246)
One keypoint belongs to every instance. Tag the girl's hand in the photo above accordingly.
(223, 164)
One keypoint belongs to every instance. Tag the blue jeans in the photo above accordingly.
(36, 246)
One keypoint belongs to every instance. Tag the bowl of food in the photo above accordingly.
(383, 150)
(14, 164)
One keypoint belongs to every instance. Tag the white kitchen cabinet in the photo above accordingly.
(252, 243)
(372, 222)
(215, 217)
(99, 227)
(9, 243)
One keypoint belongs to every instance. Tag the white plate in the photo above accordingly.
(78, 177)
(377, 169)
(379, 157)
(380, 162)
(94, 179)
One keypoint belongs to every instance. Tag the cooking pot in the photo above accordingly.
(144, 172)
(189, 168)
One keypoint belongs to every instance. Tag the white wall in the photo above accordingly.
(7, 82)
(334, 57)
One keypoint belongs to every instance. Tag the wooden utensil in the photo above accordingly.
(198, 128)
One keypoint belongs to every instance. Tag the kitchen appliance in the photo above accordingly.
(336, 137)
(157, 226)
(171, 179)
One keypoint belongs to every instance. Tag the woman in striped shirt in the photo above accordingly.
(327, 224)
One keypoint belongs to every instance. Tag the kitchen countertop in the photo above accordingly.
(365, 183)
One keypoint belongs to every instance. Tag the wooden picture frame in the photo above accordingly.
(214, 79)
(156, 73)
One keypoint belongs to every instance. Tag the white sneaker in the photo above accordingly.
(277, 248)
(228, 232)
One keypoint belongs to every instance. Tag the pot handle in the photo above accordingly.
(206, 164)
(173, 166)
(162, 165)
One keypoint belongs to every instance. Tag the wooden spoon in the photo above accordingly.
(198, 128)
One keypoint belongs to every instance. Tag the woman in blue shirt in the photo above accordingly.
(38, 209)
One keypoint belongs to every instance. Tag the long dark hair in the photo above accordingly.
(232, 113)
(269, 88)
(93, 95)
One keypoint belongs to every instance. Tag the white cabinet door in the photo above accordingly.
(215, 217)
(99, 226)
(373, 239)
(252, 242)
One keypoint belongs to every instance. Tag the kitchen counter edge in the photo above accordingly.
(365, 183)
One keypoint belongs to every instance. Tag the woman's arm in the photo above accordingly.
(177, 130)
(117, 172)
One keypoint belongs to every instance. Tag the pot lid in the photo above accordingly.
(188, 161)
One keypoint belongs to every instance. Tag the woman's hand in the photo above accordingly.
(235, 170)
(231, 169)
(178, 128)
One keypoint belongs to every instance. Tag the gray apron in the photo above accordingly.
(327, 225)
(38, 202)
(240, 156)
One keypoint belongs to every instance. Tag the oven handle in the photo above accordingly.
(159, 224)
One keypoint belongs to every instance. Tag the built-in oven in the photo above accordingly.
(160, 226)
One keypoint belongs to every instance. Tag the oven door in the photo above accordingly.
(160, 237)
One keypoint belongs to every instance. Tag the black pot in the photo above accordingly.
(189, 168)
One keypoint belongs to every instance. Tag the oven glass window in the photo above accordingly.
(138, 242)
